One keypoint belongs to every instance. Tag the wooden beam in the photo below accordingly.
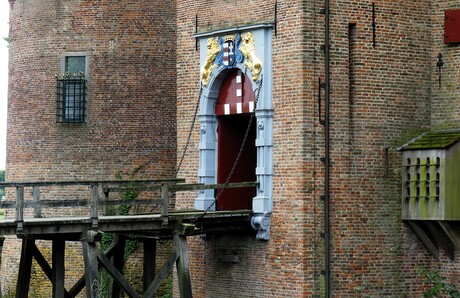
(424, 238)
(2, 240)
(183, 266)
(58, 274)
(150, 249)
(436, 232)
(118, 259)
(117, 276)
(162, 274)
(94, 206)
(36, 196)
(45, 266)
(80, 284)
(450, 233)
(19, 209)
(25, 267)
(91, 268)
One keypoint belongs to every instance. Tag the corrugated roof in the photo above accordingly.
(433, 140)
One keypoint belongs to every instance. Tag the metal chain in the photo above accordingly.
(192, 126)
(237, 159)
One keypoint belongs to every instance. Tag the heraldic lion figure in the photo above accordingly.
(247, 49)
(208, 66)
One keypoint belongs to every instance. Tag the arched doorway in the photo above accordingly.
(233, 109)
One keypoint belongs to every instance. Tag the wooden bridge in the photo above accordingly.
(148, 228)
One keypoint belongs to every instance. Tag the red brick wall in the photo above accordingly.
(131, 95)
(445, 103)
(373, 252)
(394, 96)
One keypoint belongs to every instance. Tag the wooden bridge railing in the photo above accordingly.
(165, 186)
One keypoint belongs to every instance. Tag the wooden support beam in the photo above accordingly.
(25, 267)
(2, 240)
(58, 274)
(36, 196)
(80, 284)
(150, 249)
(424, 237)
(94, 206)
(165, 205)
(118, 260)
(450, 233)
(91, 267)
(162, 274)
(436, 232)
(19, 209)
(117, 276)
(183, 266)
(45, 266)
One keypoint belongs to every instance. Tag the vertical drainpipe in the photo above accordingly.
(327, 236)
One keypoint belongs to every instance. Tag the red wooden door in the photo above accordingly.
(233, 107)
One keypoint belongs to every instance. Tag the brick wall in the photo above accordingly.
(380, 97)
(131, 96)
(444, 100)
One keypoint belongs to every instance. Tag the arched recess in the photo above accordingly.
(208, 163)
(236, 151)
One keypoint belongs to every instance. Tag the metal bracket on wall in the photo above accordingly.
(320, 86)
(373, 25)
(196, 32)
(275, 21)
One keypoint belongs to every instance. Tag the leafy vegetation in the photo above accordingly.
(437, 285)
(2, 178)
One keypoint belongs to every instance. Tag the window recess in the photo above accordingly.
(71, 91)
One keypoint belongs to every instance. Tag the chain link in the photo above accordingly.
(237, 159)
(192, 126)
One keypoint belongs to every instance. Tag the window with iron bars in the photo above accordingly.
(71, 99)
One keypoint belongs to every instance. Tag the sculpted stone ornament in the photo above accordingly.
(228, 51)
(261, 223)
(247, 49)
(208, 66)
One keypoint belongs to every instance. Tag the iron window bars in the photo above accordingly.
(71, 98)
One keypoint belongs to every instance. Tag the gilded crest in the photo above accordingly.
(229, 50)
(213, 49)
(248, 50)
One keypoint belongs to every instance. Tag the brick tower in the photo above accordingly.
(384, 90)
(92, 95)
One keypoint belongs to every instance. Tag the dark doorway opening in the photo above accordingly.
(231, 131)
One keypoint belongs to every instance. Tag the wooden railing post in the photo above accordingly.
(19, 209)
(36, 196)
(94, 206)
(165, 200)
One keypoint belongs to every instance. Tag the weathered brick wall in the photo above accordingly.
(131, 96)
(445, 104)
(389, 100)
(283, 266)
(380, 97)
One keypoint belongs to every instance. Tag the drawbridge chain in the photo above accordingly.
(192, 126)
(237, 159)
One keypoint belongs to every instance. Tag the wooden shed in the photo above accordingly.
(431, 176)
(431, 189)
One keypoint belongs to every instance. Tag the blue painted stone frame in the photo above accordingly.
(262, 202)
